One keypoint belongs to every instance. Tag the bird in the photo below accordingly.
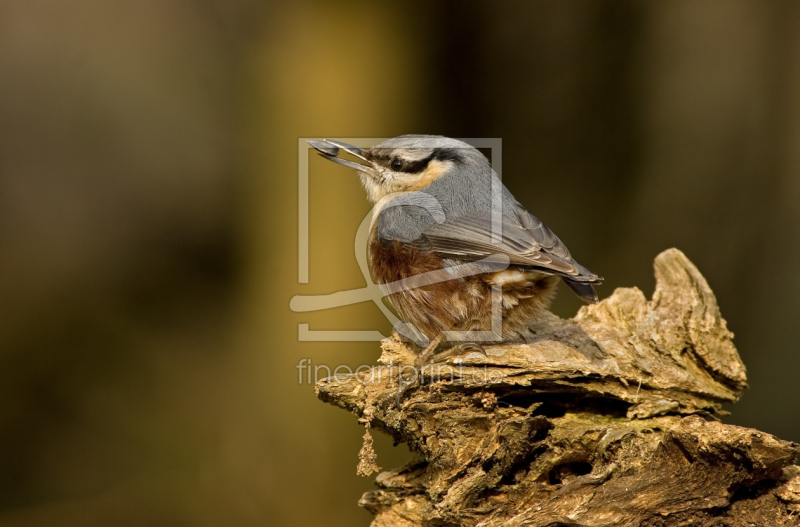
(440, 208)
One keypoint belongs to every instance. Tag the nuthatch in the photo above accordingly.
(439, 205)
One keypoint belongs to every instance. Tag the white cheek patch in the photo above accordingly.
(396, 182)
(374, 190)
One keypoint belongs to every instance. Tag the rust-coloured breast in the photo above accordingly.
(460, 304)
(394, 261)
(428, 307)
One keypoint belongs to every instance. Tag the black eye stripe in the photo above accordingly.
(415, 166)
(412, 167)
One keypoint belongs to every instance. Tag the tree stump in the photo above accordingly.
(608, 418)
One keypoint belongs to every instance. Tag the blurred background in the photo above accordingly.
(149, 218)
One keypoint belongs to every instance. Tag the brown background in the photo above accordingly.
(148, 218)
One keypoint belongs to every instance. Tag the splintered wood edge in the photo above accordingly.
(708, 331)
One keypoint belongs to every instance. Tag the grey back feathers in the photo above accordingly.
(465, 194)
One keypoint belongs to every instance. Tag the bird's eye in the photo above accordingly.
(397, 164)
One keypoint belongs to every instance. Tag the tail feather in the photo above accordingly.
(585, 291)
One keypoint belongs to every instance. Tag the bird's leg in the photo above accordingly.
(406, 384)
(462, 347)
(424, 357)
(427, 357)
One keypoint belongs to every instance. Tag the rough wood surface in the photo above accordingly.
(604, 419)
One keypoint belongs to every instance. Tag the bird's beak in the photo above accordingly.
(329, 149)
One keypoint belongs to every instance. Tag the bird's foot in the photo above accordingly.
(410, 378)
(425, 355)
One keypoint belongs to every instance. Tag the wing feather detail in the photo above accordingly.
(524, 239)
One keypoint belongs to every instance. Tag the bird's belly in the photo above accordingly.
(466, 303)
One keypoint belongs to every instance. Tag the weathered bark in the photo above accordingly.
(603, 419)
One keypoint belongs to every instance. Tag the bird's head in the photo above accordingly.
(406, 163)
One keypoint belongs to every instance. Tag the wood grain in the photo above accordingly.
(609, 418)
